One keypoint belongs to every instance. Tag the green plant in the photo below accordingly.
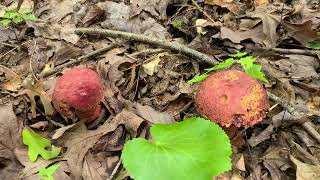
(47, 173)
(192, 149)
(38, 145)
(246, 62)
(177, 24)
(12, 16)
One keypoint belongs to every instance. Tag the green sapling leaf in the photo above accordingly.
(223, 65)
(195, 148)
(198, 78)
(239, 54)
(11, 15)
(30, 17)
(47, 173)
(38, 145)
(5, 22)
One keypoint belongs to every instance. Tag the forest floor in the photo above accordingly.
(146, 80)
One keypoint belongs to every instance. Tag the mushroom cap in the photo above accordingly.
(79, 92)
(232, 97)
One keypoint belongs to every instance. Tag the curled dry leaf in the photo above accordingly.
(306, 171)
(13, 80)
(37, 90)
(79, 140)
(10, 128)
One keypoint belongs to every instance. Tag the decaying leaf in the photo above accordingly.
(79, 140)
(13, 80)
(10, 129)
(152, 65)
(156, 8)
(37, 90)
(230, 5)
(306, 171)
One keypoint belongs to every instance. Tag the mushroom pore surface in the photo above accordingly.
(79, 92)
(232, 97)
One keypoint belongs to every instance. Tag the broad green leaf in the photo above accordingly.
(239, 54)
(18, 19)
(24, 11)
(5, 22)
(30, 17)
(11, 15)
(192, 149)
(198, 78)
(313, 45)
(247, 62)
(223, 65)
(37, 145)
(255, 72)
(47, 173)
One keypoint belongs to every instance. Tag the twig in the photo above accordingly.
(115, 170)
(201, 10)
(79, 59)
(149, 40)
(290, 51)
(307, 125)
(147, 52)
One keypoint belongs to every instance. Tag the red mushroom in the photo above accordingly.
(79, 92)
(232, 97)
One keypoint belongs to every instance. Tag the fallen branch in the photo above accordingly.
(149, 40)
(290, 51)
(79, 59)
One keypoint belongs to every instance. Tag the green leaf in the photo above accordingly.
(177, 24)
(5, 22)
(223, 65)
(30, 17)
(255, 72)
(18, 19)
(24, 11)
(11, 14)
(192, 149)
(239, 54)
(198, 78)
(47, 173)
(37, 145)
(247, 62)
(313, 45)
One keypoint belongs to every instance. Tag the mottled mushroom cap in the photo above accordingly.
(79, 92)
(232, 97)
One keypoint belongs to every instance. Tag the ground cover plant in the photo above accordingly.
(159, 89)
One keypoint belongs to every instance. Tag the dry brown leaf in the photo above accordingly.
(301, 32)
(10, 129)
(306, 171)
(313, 104)
(79, 140)
(231, 6)
(151, 115)
(93, 14)
(55, 31)
(256, 34)
(118, 18)
(13, 80)
(152, 65)
(37, 90)
(258, 3)
(156, 8)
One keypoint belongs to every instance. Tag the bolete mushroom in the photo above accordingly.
(78, 93)
(232, 97)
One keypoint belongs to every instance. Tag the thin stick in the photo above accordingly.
(201, 10)
(307, 125)
(79, 59)
(149, 40)
(290, 51)
(115, 170)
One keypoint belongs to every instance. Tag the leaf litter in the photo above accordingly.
(145, 86)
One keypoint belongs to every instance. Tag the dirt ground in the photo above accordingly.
(145, 74)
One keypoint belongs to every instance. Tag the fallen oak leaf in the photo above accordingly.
(79, 140)
(37, 90)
